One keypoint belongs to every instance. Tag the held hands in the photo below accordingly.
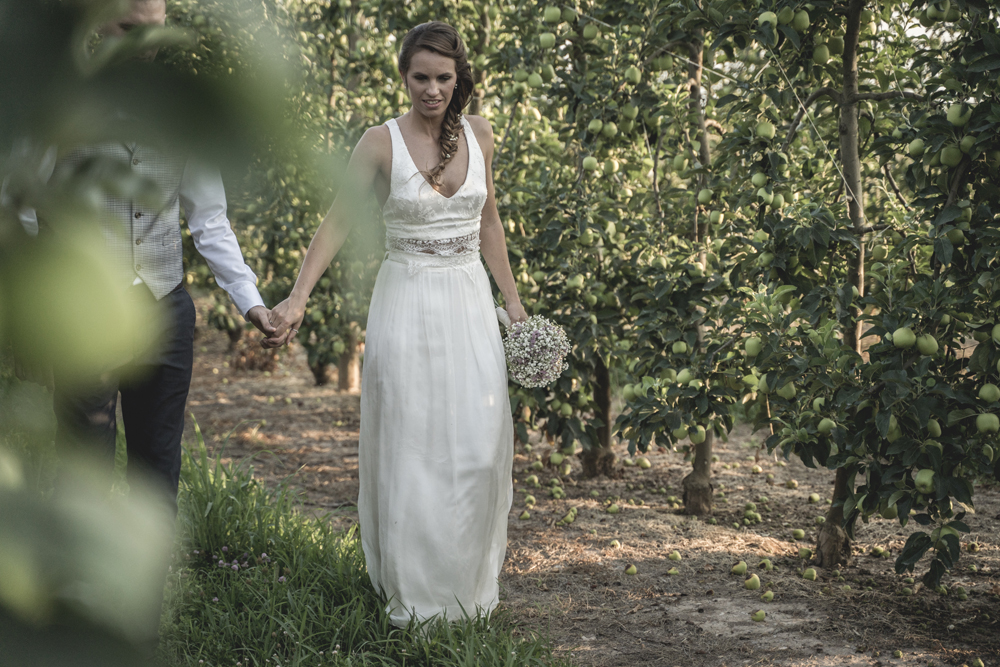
(285, 320)
(259, 316)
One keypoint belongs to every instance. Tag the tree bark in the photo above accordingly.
(479, 93)
(698, 483)
(832, 544)
(599, 459)
(349, 367)
(321, 372)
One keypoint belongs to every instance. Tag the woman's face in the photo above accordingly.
(430, 83)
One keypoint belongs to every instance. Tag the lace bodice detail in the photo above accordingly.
(418, 218)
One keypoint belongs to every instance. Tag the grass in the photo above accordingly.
(256, 582)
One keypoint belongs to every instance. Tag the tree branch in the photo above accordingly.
(881, 97)
(870, 228)
(830, 92)
(715, 124)
(895, 188)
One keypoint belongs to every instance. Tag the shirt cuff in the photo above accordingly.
(245, 296)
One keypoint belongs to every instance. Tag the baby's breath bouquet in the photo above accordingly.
(536, 350)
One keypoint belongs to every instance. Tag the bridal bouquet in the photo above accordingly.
(536, 350)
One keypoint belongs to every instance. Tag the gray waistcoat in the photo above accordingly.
(143, 233)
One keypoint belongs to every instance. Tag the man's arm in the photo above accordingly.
(204, 200)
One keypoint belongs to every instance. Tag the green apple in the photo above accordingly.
(613, 508)
(674, 555)
(759, 179)
(569, 15)
(768, 17)
(787, 391)
(566, 410)
(933, 428)
(826, 425)
(699, 435)
(798, 534)
(820, 520)
(673, 572)
(611, 166)
(903, 338)
(552, 14)
(778, 200)
(609, 130)
(959, 114)
(716, 217)
(590, 163)
(987, 423)
(818, 403)
(531, 480)
(535, 80)
(556, 458)
(679, 347)
(680, 162)
(927, 345)
(680, 433)
(968, 141)
(753, 346)
(633, 75)
(821, 54)
(764, 196)
(768, 596)
(546, 40)
(814, 498)
(630, 569)
(836, 44)
(590, 31)
(615, 544)
(957, 237)
(786, 15)
(762, 384)
(705, 196)
(805, 553)
(758, 616)
(809, 574)
(765, 130)
(525, 515)
(595, 125)
(951, 156)
(989, 393)
(753, 583)
(791, 484)
(685, 376)
(916, 148)
(801, 21)
(766, 564)
(740, 568)
(924, 480)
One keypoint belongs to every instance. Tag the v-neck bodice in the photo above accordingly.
(415, 210)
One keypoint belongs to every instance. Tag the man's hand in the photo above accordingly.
(286, 318)
(260, 317)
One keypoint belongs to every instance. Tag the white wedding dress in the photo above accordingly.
(437, 441)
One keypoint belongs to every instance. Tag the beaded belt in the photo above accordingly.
(458, 252)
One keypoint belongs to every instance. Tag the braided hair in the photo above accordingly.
(444, 40)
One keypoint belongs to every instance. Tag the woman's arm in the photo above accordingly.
(374, 149)
(491, 237)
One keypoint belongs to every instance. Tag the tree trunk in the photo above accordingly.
(321, 372)
(349, 368)
(235, 335)
(698, 484)
(479, 93)
(832, 544)
(599, 459)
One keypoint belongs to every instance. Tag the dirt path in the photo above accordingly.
(568, 580)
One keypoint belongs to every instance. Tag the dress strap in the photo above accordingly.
(476, 157)
(399, 156)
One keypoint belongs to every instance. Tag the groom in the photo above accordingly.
(144, 246)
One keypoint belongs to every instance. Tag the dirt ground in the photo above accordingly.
(569, 581)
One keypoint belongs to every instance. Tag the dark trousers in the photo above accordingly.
(154, 387)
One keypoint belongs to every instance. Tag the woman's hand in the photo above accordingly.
(517, 313)
(286, 318)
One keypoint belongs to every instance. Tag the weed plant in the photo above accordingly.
(255, 582)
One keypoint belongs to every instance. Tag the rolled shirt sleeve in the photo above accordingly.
(203, 198)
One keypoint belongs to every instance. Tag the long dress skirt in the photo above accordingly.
(436, 442)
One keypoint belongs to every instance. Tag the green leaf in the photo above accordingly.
(987, 64)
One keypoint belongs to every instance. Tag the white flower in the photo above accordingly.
(536, 351)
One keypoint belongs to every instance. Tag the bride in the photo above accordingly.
(436, 442)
